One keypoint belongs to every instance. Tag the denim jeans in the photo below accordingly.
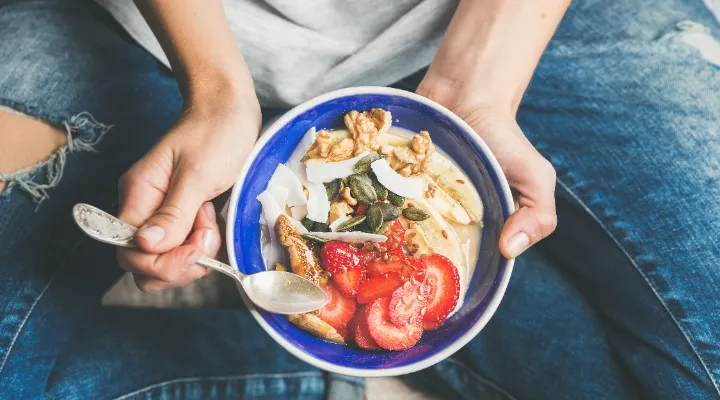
(622, 301)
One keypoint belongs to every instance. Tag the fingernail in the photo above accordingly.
(153, 234)
(210, 211)
(208, 242)
(517, 244)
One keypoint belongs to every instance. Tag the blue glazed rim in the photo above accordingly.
(235, 241)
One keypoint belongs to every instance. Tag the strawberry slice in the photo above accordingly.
(430, 325)
(349, 281)
(361, 209)
(367, 256)
(387, 335)
(347, 331)
(406, 266)
(407, 303)
(443, 283)
(377, 287)
(337, 257)
(361, 334)
(339, 310)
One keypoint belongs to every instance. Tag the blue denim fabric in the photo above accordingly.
(621, 302)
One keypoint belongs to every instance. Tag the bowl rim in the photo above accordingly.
(506, 196)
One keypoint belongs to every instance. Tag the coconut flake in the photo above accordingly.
(318, 205)
(300, 150)
(318, 171)
(284, 177)
(337, 222)
(299, 212)
(298, 225)
(280, 193)
(354, 237)
(396, 183)
(272, 210)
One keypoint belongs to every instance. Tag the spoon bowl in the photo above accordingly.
(275, 291)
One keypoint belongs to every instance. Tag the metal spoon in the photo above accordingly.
(276, 291)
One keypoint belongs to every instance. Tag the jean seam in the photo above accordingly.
(480, 378)
(216, 378)
(632, 261)
(32, 307)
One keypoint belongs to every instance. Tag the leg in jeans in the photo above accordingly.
(70, 65)
(626, 104)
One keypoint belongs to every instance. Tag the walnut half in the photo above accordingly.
(366, 126)
(412, 160)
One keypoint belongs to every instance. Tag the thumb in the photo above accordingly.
(170, 225)
(526, 227)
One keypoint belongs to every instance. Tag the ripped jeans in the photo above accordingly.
(621, 302)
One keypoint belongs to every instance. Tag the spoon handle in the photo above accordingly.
(106, 228)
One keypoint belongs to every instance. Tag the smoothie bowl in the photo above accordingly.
(391, 204)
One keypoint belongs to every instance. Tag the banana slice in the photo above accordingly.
(313, 324)
(435, 235)
(457, 185)
(447, 206)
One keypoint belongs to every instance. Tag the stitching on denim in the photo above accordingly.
(649, 283)
(218, 378)
(480, 378)
(22, 324)
(32, 307)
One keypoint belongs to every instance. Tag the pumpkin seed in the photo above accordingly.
(389, 211)
(363, 165)
(321, 227)
(313, 238)
(307, 223)
(383, 228)
(374, 217)
(332, 188)
(362, 189)
(382, 193)
(415, 214)
(355, 177)
(351, 223)
(395, 199)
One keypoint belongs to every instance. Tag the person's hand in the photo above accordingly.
(167, 192)
(530, 175)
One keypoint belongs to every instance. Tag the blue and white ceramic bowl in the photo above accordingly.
(451, 134)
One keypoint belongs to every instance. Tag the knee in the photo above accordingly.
(26, 144)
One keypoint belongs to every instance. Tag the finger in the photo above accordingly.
(154, 272)
(171, 223)
(167, 267)
(206, 232)
(141, 190)
(535, 219)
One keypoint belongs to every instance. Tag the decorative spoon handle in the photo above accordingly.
(106, 228)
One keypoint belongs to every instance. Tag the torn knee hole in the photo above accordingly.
(29, 147)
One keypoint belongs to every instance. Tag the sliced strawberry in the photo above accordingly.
(347, 331)
(349, 281)
(361, 209)
(339, 310)
(367, 256)
(377, 287)
(387, 335)
(443, 283)
(430, 325)
(407, 302)
(337, 257)
(406, 266)
(361, 334)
